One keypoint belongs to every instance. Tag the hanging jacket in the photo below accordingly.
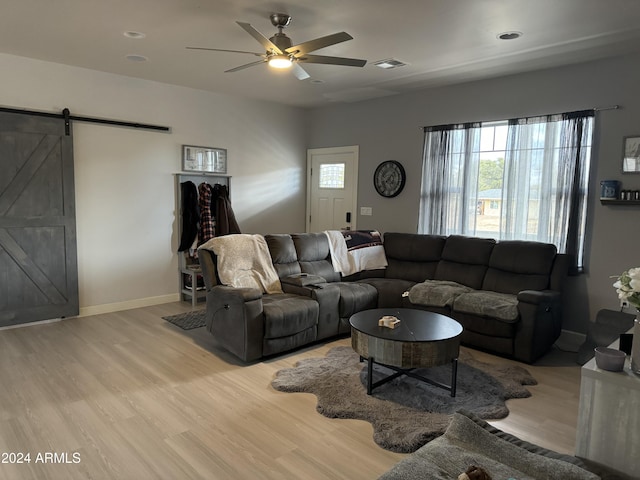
(225, 218)
(190, 215)
(207, 225)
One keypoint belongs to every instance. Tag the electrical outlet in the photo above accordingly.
(366, 211)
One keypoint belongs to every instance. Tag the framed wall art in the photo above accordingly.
(204, 159)
(631, 158)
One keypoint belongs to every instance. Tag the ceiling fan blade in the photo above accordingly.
(224, 50)
(242, 67)
(319, 43)
(268, 45)
(299, 72)
(350, 62)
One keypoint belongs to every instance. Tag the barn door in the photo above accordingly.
(38, 256)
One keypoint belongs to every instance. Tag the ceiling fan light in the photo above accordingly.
(280, 61)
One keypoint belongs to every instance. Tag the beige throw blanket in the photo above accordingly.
(243, 260)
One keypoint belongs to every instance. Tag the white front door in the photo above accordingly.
(332, 188)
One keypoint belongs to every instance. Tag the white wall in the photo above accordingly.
(389, 128)
(125, 188)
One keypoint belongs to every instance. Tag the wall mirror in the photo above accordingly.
(631, 158)
(204, 159)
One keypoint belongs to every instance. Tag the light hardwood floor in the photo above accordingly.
(135, 397)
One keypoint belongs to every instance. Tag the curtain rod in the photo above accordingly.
(610, 107)
(66, 115)
(595, 109)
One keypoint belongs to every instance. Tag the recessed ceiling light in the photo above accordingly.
(132, 34)
(389, 63)
(136, 58)
(512, 35)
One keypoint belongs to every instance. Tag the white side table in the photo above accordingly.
(609, 417)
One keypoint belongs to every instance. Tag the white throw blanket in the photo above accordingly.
(244, 261)
(347, 260)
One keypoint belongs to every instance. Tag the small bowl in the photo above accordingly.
(610, 359)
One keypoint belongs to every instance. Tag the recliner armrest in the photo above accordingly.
(247, 294)
(302, 280)
(540, 323)
(312, 290)
(234, 317)
(538, 297)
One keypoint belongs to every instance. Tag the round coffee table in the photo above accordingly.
(422, 339)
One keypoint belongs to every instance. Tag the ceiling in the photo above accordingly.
(442, 41)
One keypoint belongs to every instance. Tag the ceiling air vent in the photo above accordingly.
(389, 63)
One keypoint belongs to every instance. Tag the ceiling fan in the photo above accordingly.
(281, 53)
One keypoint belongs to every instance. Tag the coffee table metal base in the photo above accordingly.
(409, 373)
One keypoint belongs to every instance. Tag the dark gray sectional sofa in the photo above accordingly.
(507, 295)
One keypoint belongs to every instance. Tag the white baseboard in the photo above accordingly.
(128, 305)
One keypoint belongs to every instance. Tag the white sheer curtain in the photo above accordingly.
(449, 179)
(544, 188)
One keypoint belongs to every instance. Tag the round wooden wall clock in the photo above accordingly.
(389, 178)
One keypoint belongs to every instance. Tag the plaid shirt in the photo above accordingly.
(207, 222)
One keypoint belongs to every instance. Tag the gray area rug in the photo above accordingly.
(187, 320)
(405, 413)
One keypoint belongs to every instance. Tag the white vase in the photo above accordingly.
(635, 349)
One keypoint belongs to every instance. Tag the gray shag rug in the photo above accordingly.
(405, 413)
(187, 320)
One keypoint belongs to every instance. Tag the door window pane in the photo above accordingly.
(331, 175)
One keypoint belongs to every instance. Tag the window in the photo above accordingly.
(493, 143)
(522, 179)
(331, 175)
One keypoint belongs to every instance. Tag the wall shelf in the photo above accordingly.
(605, 201)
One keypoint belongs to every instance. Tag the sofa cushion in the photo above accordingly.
(321, 268)
(412, 256)
(283, 254)
(311, 247)
(465, 260)
(312, 250)
(519, 265)
(484, 303)
(287, 314)
(436, 293)
(355, 297)
(390, 291)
